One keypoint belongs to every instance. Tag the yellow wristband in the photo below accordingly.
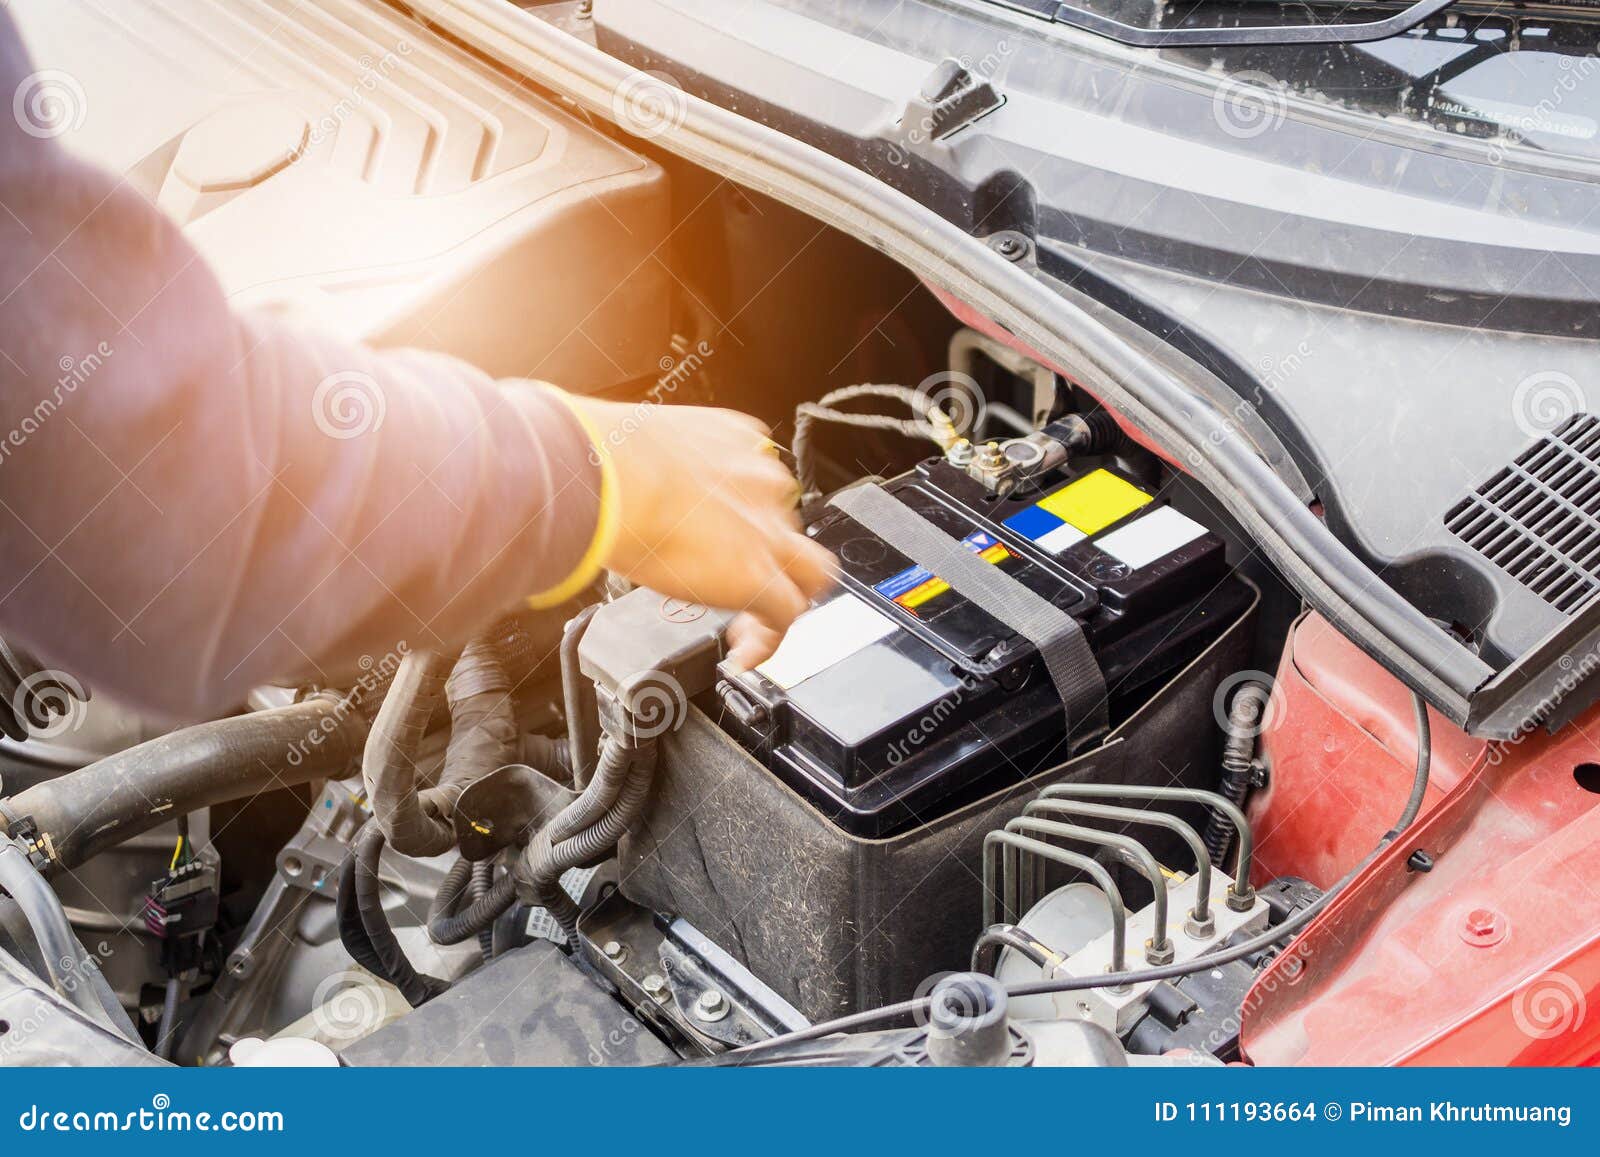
(606, 525)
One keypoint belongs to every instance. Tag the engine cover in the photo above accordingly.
(346, 164)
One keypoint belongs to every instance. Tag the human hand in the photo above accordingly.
(706, 512)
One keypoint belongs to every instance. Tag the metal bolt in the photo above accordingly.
(614, 951)
(712, 1005)
(655, 986)
(1163, 953)
(960, 453)
(1241, 897)
(1198, 929)
(1483, 928)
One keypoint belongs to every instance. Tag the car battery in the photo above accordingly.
(896, 699)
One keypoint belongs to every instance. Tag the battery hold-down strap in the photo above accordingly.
(1056, 635)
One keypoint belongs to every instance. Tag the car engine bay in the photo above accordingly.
(1043, 781)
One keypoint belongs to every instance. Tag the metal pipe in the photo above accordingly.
(1241, 897)
(1158, 950)
(1012, 843)
(986, 952)
(1201, 914)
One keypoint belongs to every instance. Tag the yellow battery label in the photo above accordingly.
(1095, 501)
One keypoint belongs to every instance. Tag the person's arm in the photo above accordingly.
(193, 501)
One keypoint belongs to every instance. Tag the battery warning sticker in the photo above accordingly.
(1065, 517)
(917, 585)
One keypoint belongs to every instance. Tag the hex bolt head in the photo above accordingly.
(1484, 928)
(1241, 901)
(711, 1005)
(1163, 953)
(614, 951)
(655, 986)
(1200, 929)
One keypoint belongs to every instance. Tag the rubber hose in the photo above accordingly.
(483, 723)
(1238, 753)
(63, 957)
(417, 988)
(81, 814)
(388, 766)
(549, 754)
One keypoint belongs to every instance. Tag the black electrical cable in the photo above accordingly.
(417, 988)
(1238, 951)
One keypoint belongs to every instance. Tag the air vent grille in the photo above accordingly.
(1539, 518)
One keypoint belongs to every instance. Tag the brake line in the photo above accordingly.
(1254, 944)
